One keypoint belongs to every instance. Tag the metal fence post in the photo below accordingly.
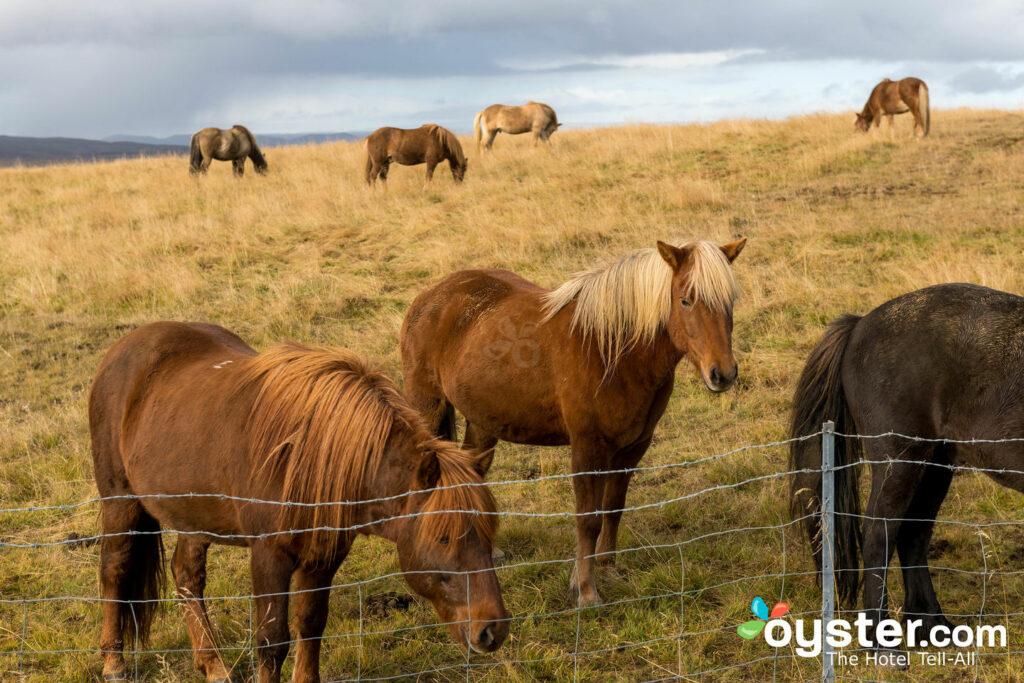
(828, 509)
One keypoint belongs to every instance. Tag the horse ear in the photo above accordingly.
(429, 472)
(484, 461)
(674, 256)
(733, 249)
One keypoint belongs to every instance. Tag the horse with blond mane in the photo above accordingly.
(532, 117)
(430, 144)
(235, 144)
(889, 98)
(294, 453)
(590, 364)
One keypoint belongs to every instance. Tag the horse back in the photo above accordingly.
(925, 363)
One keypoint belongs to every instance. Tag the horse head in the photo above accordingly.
(700, 320)
(445, 544)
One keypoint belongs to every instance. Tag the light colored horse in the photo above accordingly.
(533, 117)
(889, 98)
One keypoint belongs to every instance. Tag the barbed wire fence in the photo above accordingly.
(696, 638)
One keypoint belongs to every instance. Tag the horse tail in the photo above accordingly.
(925, 108)
(819, 397)
(195, 155)
(259, 162)
(143, 584)
(477, 133)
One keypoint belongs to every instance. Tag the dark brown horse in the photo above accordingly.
(897, 97)
(430, 144)
(590, 364)
(234, 144)
(182, 408)
(946, 362)
(532, 117)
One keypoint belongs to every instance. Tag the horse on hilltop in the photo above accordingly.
(935, 364)
(897, 97)
(430, 144)
(532, 117)
(294, 453)
(234, 144)
(590, 364)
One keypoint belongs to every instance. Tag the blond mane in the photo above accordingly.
(627, 303)
(321, 421)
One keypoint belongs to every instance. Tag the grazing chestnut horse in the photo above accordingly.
(430, 144)
(897, 97)
(188, 408)
(532, 117)
(943, 362)
(590, 364)
(233, 144)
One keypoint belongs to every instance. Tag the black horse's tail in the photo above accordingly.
(819, 397)
(195, 160)
(259, 162)
(143, 583)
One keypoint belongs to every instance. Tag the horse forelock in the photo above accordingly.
(460, 501)
(628, 302)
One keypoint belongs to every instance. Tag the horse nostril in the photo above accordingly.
(486, 637)
(716, 375)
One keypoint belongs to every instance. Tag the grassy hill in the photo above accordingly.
(836, 222)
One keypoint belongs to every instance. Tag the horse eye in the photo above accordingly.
(686, 303)
(443, 540)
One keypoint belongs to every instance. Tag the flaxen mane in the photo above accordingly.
(628, 302)
(322, 419)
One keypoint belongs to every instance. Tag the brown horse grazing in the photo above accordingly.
(233, 144)
(590, 364)
(188, 408)
(532, 117)
(897, 97)
(430, 144)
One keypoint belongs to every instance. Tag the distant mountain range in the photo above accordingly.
(42, 151)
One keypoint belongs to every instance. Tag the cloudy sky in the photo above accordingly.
(158, 67)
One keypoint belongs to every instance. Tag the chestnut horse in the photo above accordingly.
(897, 97)
(590, 364)
(532, 117)
(186, 408)
(234, 144)
(939, 363)
(430, 144)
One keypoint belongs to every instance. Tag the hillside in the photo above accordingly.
(42, 151)
(836, 221)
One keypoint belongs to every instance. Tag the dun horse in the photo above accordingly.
(925, 365)
(233, 144)
(897, 97)
(178, 409)
(590, 364)
(430, 144)
(532, 117)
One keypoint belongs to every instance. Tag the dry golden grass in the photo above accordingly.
(837, 222)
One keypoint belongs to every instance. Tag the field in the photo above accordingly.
(836, 222)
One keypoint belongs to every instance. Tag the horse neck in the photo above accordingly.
(394, 482)
(655, 361)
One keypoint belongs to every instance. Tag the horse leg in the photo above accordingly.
(271, 573)
(312, 595)
(119, 517)
(912, 545)
(892, 126)
(431, 165)
(205, 166)
(615, 499)
(383, 172)
(189, 568)
(478, 441)
(892, 488)
(238, 166)
(587, 455)
(493, 133)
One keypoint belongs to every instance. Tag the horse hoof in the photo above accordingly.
(116, 678)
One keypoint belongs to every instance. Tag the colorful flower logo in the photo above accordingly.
(750, 629)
